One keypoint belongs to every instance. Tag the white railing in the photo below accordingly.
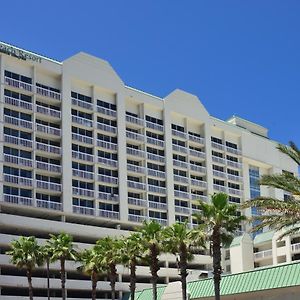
(48, 111)
(234, 177)
(217, 173)
(18, 84)
(48, 129)
(135, 120)
(235, 191)
(48, 204)
(196, 153)
(107, 145)
(136, 169)
(48, 93)
(196, 139)
(156, 173)
(137, 202)
(157, 205)
(135, 136)
(48, 167)
(180, 163)
(83, 210)
(155, 142)
(46, 185)
(108, 196)
(107, 161)
(217, 146)
(179, 133)
(179, 148)
(136, 218)
(106, 111)
(108, 214)
(181, 179)
(18, 160)
(198, 169)
(82, 138)
(136, 185)
(83, 192)
(82, 156)
(263, 254)
(219, 160)
(196, 211)
(156, 189)
(234, 164)
(233, 150)
(198, 197)
(163, 222)
(17, 141)
(295, 247)
(83, 174)
(48, 148)
(154, 126)
(82, 121)
(181, 194)
(17, 199)
(135, 152)
(220, 188)
(17, 102)
(155, 157)
(18, 122)
(82, 104)
(106, 128)
(107, 179)
(200, 183)
(182, 209)
(18, 180)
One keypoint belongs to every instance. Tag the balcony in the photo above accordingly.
(263, 254)
(83, 174)
(136, 185)
(156, 173)
(234, 178)
(135, 120)
(157, 189)
(82, 210)
(162, 222)
(108, 214)
(217, 146)
(107, 128)
(155, 157)
(135, 136)
(135, 152)
(18, 84)
(157, 205)
(18, 122)
(180, 149)
(156, 142)
(48, 167)
(46, 185)
(18, 103)
(82, 104)
(22, 181)
(137, 202)
(198, 169)
(181, 179)
(106, 111)
(108, 196)
(180, 194)
(199, 197)
(17, 200)
(48, 111)
(48, 129)
(108, 179)
(108, 162)
(196, 211)
(48, 148)
(235, 192)
(218, 160)
(136, 169)
(82, 156)
(82, 138)
(198, 154)
(178, 133)
(25, 162)
(196, 139)
(107, 145)
(179, 163)
(234, 164)
(295, 247)
(17, 141)
(48, 204)
(182, 210)
(233, 150)
(219, 174)
(82, 121)
(198, 183)
(83, 192)
(154, 126)
(220, 188)
(48, 93)
(136, 218)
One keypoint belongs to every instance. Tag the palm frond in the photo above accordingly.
(292, 151)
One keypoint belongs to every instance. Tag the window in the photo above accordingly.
(178, 142)
(17, 114)
(154, 120)
(47, 87)
(83, 202)
(18, 77)
(83, 149)
(177, 127)
(106, 105)
(81, 97)
(216, 140)
(231, 145)
(15, 95)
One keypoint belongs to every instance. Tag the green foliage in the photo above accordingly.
(91, 262)
(131, 249)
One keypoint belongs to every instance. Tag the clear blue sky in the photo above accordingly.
(238, 57)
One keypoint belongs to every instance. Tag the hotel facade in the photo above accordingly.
(83, 153)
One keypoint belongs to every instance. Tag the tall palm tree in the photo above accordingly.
(91, 264)
(280, 214)
(180, 240)
(220, 220)
(152, 242)
(25, 254)
(109, 249)
(131, 252)
(62, 248)
(46, 255)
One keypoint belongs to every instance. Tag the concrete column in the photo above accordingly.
(1, 122)
(209, 173)
(288, 249)
(274, 250)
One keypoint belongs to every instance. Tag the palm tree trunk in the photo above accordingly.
(132, 279)
(63, 278)
(113, 278)
(48, 278)
(94, 285)
(30, 288)
(183, 271)
(154, 268)
(217, 270)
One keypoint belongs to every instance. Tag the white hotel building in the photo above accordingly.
(83, 153)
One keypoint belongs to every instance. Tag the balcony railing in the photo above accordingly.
(179, 148)
(199, 197)
(181, 179)
(182, 210)
(135, 136)
(137, 202)
(108, 196)
(155, 142)
(18, 160)
(198, 154)
(162, 222)
(82, 104)
(107, 179)
(178, 133)
(82, 138)
(82, 121)
(48, 167)
(135, 152)
(233, 164)
(48, 111)
(179, 163)
(18, 84)
(136, 185)
(46, 185)
(17, 141)
(136, 169)
(217, 146)
(83, 192)
(181, 194)
(135, 120)
(235, 191)
(220, 174)
(107, 161)
(17, 199)
(24, 181)
(106, 111)
(154, 126)
(263, 254)
(156, 189)
(198, 169)
(18, 122)
(136, 218)
(108, 214)
(295, 247)
(48, 93)
(234, 177)
(48, 129)
(17, 102)
(156, 157)
(107, 145)
(220, 188)
(200, 183)
(196, 139)
(157, 205)
(48, 204)
(156, 173)
(83, 174)
(82, 156)
(48, 148)
(107, 128)
(233, 150)
(219, 160)
(89, 211)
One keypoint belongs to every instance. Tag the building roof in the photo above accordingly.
(280, 276)
(264, 237)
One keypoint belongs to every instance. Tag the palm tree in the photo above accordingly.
(131, 252)
(280, 214)
(220, 220)
(151, 238)
(91, 264)
(46, 255)
(180, 240)
(25, 254)
(109, 249)
(61, 248)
